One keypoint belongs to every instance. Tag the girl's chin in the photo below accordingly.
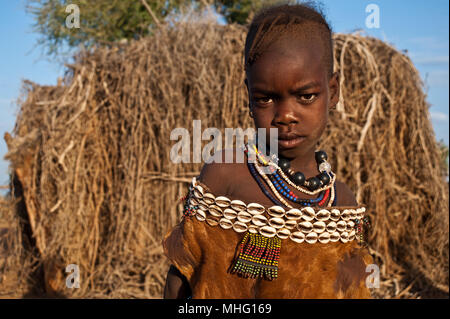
(291, 153)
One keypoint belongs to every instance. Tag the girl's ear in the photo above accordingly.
(333, 86)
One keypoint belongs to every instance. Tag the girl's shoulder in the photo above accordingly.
(344, 194)
(226, 167)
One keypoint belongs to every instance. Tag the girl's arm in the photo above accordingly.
(177, 286)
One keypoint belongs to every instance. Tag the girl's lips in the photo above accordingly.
(290, 143)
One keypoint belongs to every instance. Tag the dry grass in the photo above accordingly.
(92, 158)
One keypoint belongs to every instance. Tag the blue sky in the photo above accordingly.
(421, 27)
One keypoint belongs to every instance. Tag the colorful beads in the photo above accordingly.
(256, 177)
(277, 182)
(359, 228)
(312, 186)
(258, 257)
(284, 190)
(188, 209)
(298, 181)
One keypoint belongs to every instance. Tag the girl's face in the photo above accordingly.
(289, 89)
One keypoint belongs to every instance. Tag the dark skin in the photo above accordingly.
(290, 89)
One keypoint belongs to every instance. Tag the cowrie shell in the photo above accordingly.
(267, 231)
(200, 215)
(255, 208)
(238, 205)
(293, 214)
(305, 227)
(276, 222)
(215, 210)
(212, 221)
(319, 227)
(194, 201)
(341, 226)
(334, 237)
(351, 235)
(229, 213)
(344, 237)
(323, 215)
(362, 210)
(276, 211)
(199, 191)
(253, 229)
(308, 213)
(324, 238)
(331, 227)
(202, 205)
(335, 214)
(290, 223)
(346, 215)
(209, 198)
(297, 237)
(350, 226)
(244, 216)
(225, 223)
(239, 227)
(283, 233)
(222, 201)
(259, 220)
(311, 238)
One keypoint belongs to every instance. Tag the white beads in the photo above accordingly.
(325, 167)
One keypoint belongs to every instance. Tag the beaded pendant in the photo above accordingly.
(258, 257)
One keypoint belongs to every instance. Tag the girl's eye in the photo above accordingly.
(308, 97)
(263, 100)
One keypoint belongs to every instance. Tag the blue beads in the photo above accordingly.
(255, 176)
(285, 191)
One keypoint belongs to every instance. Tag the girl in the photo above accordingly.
(267, 228)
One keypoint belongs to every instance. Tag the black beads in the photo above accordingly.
(324, 178)
(298, 178)
(313, 183)
(284, 164)
(321, 156)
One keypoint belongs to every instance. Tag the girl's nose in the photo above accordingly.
(284, 114)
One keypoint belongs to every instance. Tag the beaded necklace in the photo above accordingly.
(288, 194)
(304, 202)
(276, 184)
(324, 168)
(273, 189)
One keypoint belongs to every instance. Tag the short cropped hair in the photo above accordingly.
(304, 20)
